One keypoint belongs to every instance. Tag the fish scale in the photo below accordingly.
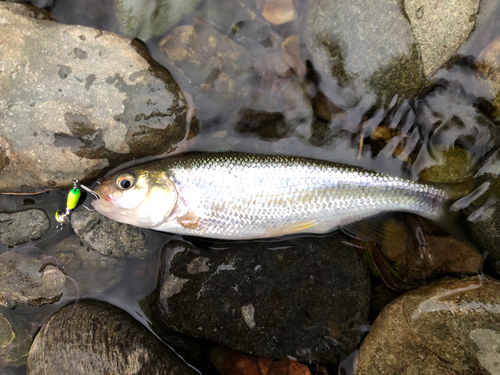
(242, 196)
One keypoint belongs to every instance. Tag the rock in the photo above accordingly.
(453, 165)
(440, 28)
(215, 67)
(364, 45)
(107, 236)
(448, 327)
(428, 255)
(19, 227)
(15, 340)
(488, 68)
(305, 298)
(92, 272)
(77, 102)
(99, 338)
(278, 12)
(26, 279)
(145, 19)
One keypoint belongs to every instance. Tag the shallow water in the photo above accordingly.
(453, 109)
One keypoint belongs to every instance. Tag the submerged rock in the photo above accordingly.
(15, 339)
(26, 278)
(305, 298)
(75, 101)
(145, 19)
(107, 236)
(365, 45)
(19, 227)
(449, 327)
(91, 272)
(98, 338)
(440, 28)
(212, 64)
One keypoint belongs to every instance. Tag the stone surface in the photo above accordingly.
(448, 327)
(19, 227)
(365, 45)
(305, 298)
(75, 101)
(488, 66)
(25, 278)
(440, 28)
(99, 338)
(107, 236)
(453, 165)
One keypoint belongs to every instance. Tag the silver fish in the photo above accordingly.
(247, 196)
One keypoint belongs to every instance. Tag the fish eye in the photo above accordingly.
(125, 181)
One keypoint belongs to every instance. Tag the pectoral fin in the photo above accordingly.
(189, 220)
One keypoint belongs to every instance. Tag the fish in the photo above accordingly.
(241, 196)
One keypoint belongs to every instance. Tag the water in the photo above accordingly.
(270, 101)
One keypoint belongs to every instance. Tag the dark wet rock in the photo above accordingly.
(364, 45)
(212, 64)
(145, 19)
(78, 101)
(19, 227)
(449, 327)
(107, 236)
(305, 298)
(440, 28)
(26, 278)
(92, 272)
(15, 340)
(98, 338)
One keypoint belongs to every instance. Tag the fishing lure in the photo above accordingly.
(72, 200)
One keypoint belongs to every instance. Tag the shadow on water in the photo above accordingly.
(264, 89)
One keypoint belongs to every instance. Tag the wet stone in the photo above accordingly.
(77, 102)
(448, 327)
(96, 337)
(305, 298)
(19, 227)
(107, 236)
(364, 45)
(26, 278)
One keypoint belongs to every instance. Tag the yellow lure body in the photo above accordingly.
(73, 198)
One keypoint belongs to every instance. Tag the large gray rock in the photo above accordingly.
(75, 101)
(25, 278)
(305, 298)
(448, 327)
(365, 45)
(19, 227)
(440, 28)
(93, 337)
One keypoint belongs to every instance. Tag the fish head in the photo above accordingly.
(144, 198)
